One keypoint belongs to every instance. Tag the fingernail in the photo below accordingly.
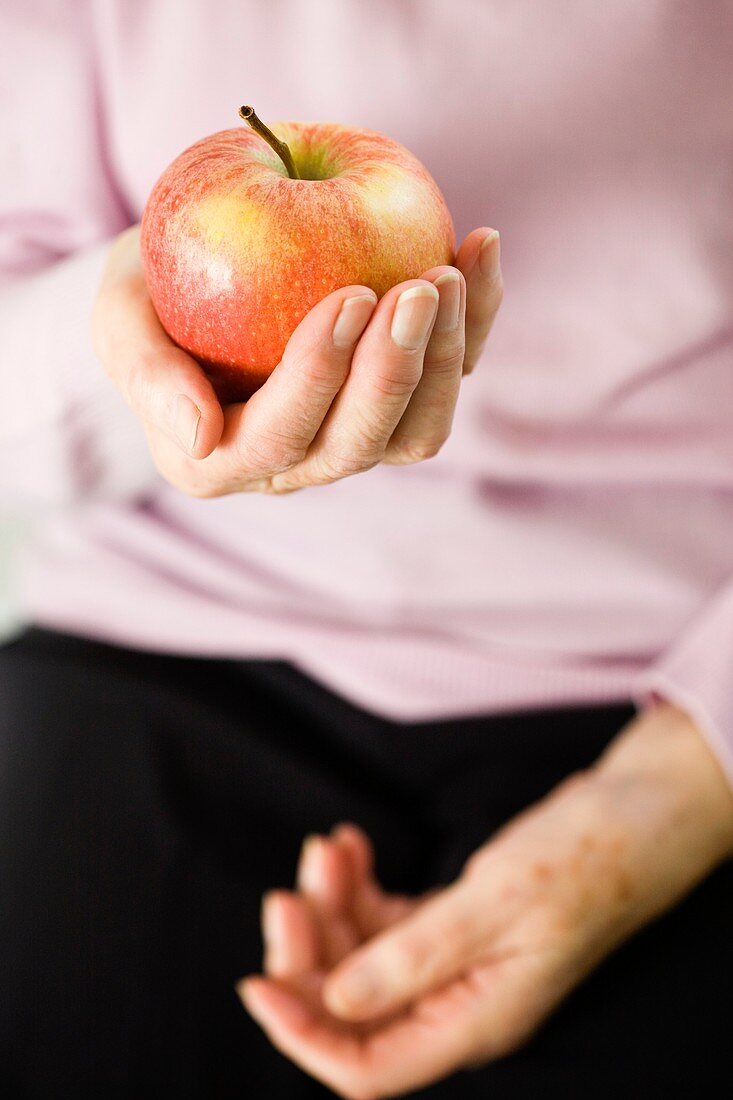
(185, 421)
(413, 316)
(352, 319)
(309, 842)
(489, 256)
(449, 306)
(309, 878)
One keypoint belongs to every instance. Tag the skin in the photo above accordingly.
(326, 411)
(464, 974)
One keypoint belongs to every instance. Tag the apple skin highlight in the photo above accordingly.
(235, 252)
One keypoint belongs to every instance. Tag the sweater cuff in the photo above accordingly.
(696, 675)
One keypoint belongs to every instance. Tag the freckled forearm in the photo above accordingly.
(664, 791)
(613, 846)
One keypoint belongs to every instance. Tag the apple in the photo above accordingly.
(248, 229)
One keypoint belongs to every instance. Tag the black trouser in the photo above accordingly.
(148, 801)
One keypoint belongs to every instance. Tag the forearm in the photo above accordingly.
(664, 795)
(623, 840)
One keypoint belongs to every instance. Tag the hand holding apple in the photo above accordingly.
(346, 395)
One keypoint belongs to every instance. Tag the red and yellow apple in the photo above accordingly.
(236, 250)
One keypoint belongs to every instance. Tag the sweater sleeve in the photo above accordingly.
(65, 433)
(696, 674)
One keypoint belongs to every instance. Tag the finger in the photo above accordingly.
(324, 875)
(434, 1039)
(273, 430)
(163, 385)
(325, 882)
(479, 258)
(385, 369)
(472, 1021)
(373, 908)
(425, 425)
(301, 1032)
(359, 848)
(291, 936)
(439, 941)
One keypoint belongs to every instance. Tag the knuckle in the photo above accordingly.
(137, 386)
(276, 486)
(271, 452)
(369, 439)
(360, 459)
(335, 466)
(321, 372)
(400, 385)
(445, 359)
(325, 470)
(407, 452)
(132, 383)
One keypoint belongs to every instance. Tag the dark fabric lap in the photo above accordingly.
(148, 801)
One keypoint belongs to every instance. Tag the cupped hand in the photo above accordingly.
(377, 994)
(360, 382)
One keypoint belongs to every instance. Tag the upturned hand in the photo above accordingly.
(377, 994)
(361, 382)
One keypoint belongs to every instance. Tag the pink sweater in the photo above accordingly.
(574, 539)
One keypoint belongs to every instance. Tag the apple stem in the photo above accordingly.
(249, 116)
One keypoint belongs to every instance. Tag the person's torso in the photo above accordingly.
(578, 504)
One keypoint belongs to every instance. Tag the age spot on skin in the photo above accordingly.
(542, 872)
(624, 886)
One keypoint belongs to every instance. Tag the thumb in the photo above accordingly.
(441, 939)
(161, 383)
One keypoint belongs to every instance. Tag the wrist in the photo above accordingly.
(659, 795)
(628, 837)
(664, 758)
